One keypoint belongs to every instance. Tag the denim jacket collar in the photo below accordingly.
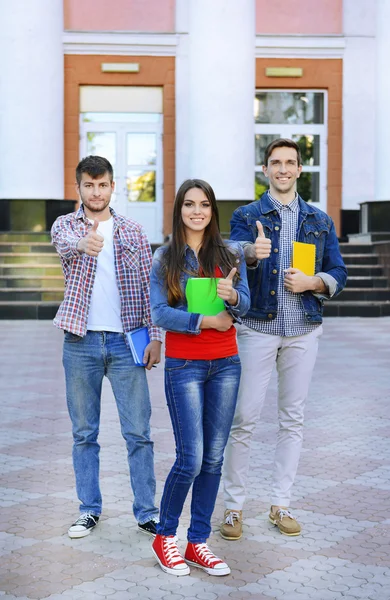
(266, 206)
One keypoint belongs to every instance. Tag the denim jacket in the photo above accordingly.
(314, 227)
(178, 318)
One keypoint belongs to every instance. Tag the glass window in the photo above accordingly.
(141, 186)
(261, 184)
(105, 117)
(308, 186)
(141, 148)
(102, 143)
(309, 146)
(289, 107)
(261, 142)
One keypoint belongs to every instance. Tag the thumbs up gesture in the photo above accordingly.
(225, 289)
(92, 243)
(262, 244)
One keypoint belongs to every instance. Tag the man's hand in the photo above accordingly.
(262, 244)
(225, 289)
(297, 282)
(92, 243)
(152, 354)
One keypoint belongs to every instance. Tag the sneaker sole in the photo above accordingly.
(216, 572)
(80, 534)
(281, 530)
(231, 538)
(177, 572)
(149, 533)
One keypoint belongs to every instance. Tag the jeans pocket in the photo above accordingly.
(72, 338)
(174, 364)
(234, 359)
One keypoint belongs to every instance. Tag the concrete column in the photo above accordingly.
(215, 81)
(358, 102)
(382, 129)
(31, 100)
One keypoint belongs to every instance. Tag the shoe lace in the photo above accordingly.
(231, 517)
(83, 519)
(282, 512)
(205, 554)
(171, 550)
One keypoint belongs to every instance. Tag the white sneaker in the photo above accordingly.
(83, 526)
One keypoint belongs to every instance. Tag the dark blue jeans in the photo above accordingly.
(201, 397)
(86, 361)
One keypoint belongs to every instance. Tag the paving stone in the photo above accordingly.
(344, 549)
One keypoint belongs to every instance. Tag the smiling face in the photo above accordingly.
(196, 212)
(282, 171)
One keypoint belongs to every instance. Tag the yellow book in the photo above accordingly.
(304, 257)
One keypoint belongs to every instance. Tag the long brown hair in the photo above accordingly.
(212, 253)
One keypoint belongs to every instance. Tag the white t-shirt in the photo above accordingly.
(105, 308)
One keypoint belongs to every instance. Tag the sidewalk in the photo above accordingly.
(342, 491)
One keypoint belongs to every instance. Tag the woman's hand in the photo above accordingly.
(225, 289)
(223, 321)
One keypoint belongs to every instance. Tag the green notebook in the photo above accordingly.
(201, 294)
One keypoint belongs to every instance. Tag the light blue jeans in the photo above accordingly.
(201, 397)
(86, 361)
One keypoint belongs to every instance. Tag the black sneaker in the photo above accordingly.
(149, 527)
(83, 526)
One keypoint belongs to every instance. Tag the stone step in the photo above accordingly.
(31, 294)
(333, 308)
(348, 248)
(364, 294)
(365, 270)
(32, 281)
(367, 282)
(25, 236)
(7, 258)
(361, 259)
(33, 269)
(28, 310)
(22, 247)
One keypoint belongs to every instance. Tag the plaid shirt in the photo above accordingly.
(290, 319)
(133, 261)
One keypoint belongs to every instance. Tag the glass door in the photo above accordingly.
(133, 144)
(300, 116)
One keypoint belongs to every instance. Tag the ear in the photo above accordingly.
(77, 187)
(299, 171)
(265, 170)
(113, 185)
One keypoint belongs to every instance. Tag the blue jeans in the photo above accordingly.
(86, 360)
(201, 397)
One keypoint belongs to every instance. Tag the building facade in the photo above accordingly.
(171, 89)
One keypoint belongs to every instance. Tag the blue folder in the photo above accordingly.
(138, 339)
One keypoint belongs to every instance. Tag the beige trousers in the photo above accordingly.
(295, 359)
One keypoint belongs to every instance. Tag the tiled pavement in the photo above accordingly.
(342, 491)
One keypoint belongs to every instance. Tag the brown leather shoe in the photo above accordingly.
(231, 528)
(284, 521)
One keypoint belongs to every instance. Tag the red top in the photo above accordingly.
(210, 344)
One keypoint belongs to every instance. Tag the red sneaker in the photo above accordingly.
(168, 556)
(200, 555)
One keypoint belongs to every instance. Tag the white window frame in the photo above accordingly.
(288, 130)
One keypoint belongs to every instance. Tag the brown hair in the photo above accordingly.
(212, 253)
(281, 143)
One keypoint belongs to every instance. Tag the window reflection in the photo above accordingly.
(289, 107)
(141, 186)
(309, 146)
(102, 144)
(261, 142)
(117, 117)
(261, 184)
(141, 148)
(308, 186)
